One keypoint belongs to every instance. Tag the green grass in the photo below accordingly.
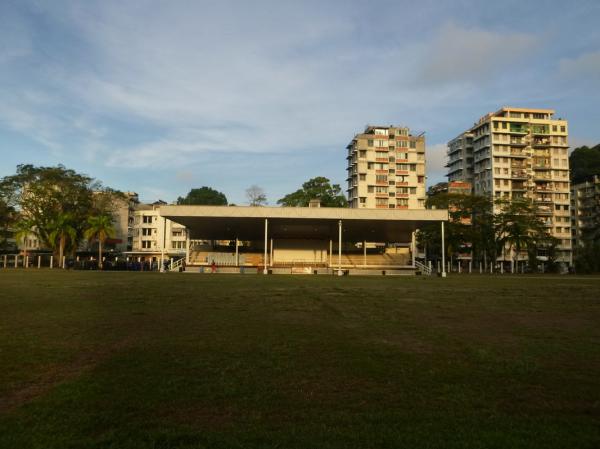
(144, 360)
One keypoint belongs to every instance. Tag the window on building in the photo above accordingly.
(370, 143)
(370, 189)
(362, 154)
(363, 200)
(362, 177)
(147, 219)
(413, 144)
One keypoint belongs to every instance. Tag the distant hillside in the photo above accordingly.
(585, 163)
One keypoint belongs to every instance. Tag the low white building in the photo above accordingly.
(154, 236)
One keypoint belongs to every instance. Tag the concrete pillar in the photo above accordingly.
(443, 252)
(502, 267)
(237, 252)
(340, 248)
(459, 266)
(5, 260)
(265, 271)
(26, 261)
(365, 253)
(39, 262)
(330, 253)
(470, 266)
(413, 248)
(480, 268)
(51, 262)
(429, 265)
(187, 246)
(16, 260)
(64, 262)
(271, 254)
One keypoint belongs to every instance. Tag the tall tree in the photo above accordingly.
(256, 196)
(318, 188)
(100, 228)
(204, 196)
(518, 228)
(63, 234)
(22, 230)
(584, 163)
(55, 200)
(469, 229)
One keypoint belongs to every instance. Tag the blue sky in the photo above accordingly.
(158, 97)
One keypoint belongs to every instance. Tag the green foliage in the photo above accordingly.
(316, 188)
(99, 228)
(204, 196)
(63, 233)
(584, 163)
(474, 228)
(587, 257)
(469, 230)
(56, 202)
(518, 228)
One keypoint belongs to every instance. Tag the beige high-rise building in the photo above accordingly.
(585, 210)
(522, 153)
(386, 169)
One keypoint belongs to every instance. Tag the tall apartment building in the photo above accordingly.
(460, 158)
(585, 210)
(521, 153)
(386, 169)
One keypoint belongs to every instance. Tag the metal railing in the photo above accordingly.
(423, 268)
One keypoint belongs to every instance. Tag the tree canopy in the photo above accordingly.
(203, 196)
(584, 163)
(55, 203)
(316, 188)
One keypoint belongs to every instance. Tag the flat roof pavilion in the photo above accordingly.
(310, 223)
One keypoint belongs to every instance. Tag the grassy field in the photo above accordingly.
(148, 360)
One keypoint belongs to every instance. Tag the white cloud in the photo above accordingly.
(466, 55)
(585, 67)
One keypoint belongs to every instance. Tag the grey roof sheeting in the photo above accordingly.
(247, 223)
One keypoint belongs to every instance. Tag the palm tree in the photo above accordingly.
(62, 231)
(99, 228)
(517, 227)
(23, 229)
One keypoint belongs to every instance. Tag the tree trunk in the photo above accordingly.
(100, 254)
(61, 250)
